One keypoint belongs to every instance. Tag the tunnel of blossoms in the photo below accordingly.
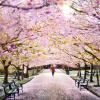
(42, 32)
(50, 49)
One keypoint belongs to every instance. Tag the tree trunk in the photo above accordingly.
(79, 71)
(18, 75)
(67, 70)
(37, 70)
(97, 76)
(5, 81)
(33, 72)
(27, 72)
(85, 71)
(91, 75)
(22, 77)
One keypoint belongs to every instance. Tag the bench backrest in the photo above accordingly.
(6, 88)
(12, 85)
(17, 84)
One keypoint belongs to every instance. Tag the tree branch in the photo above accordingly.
(23, 8)
(94, 56)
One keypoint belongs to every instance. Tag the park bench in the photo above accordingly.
(18, 85)
(83, 83)
(17, 74)
(80, 82)
(77, 82)
(12, 88)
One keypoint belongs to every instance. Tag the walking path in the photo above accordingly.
(58, 87)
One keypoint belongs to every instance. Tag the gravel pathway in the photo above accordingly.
(58, 87)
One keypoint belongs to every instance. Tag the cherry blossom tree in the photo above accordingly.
(65, 31)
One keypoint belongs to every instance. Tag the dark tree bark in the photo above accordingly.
(33, 72)
(22, 77)
(91, 73)
(37, 69)
(85, 71)
(97, 76)
(67, 70)
(79, 71)
(5, 81)
(27, 73)
(18, 75)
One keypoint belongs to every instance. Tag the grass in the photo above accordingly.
(92, 85)
(73, 74)
(1, 79)
(25, 80)
(22, 82)
(2, 95)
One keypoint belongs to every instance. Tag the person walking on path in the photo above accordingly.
(52, 70)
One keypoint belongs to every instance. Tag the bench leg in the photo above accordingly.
(22, 89)
(14, 96)
(80, 87)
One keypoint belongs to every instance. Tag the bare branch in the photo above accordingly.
(94, 56)
(3, 1)
(23, 8)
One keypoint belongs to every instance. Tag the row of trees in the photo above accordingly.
(30, 30)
